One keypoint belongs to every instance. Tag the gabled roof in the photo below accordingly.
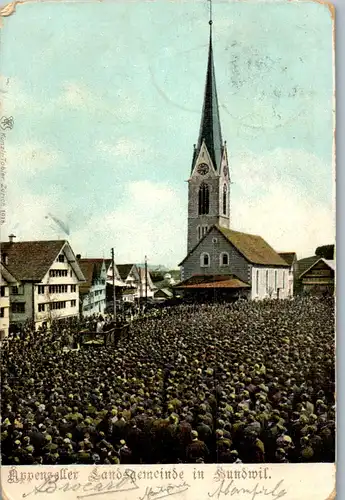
(91, 269)
(306, 263)
(6, 275)
(124, 270)
(253, 248)
(289, 257)
(329, 263)
(31, 260)
(210, 129)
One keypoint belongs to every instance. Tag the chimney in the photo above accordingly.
(78, 256)
(11, 238)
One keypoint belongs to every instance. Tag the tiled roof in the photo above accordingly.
(254, 248)
(30, 260)
(213, 281)
(289, 257)
(6, 275)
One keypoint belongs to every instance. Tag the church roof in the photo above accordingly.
(210, 129)
(289, 257)
(253, 248)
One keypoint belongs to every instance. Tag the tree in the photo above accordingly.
(325, 252)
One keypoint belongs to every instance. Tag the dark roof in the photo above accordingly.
(289, 257)
(124, 270)
(304, 264)
(330, 263)
(91, 269)
(213, 281)
(30, 260)
(210, 129)
(6, 275)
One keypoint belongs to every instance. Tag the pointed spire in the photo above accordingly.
(210, 129)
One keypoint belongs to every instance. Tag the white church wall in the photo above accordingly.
(269, 282)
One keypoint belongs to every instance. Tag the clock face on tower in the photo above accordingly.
(203, 169)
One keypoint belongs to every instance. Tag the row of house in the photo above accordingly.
(43, 281)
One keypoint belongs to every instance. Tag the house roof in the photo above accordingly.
(306, 263)
(212, 281)
(91, 268)
(289, 257)
(329, 263)
(31, 260)
(6, 275)
(124, 270)
(253, 248)
(165, 291)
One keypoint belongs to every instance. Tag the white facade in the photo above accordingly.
(94, 302)
(56, 296)
(269, 283)
(6, 280)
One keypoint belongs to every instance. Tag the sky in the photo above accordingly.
(107, 97)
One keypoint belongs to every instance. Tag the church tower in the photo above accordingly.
(209, 182)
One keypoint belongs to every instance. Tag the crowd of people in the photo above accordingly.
(249, 382)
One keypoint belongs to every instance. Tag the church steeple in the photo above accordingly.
(210, 129)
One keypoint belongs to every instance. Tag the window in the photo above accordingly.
(14, 290)
(61, 258)
(257, 282)
(224, 259)
(73, 288)
(267, 281)
(2, 312)
(58, 305)
(283, 279)
(58, 273)
(18, 307)
(204, 199)
(41, 289)
(225, 199)
(275, 280)
(58, 288)
(204, 260)
(199, 233)
(204, 230)
(73, 303)
(41, 308)
(71, 274)
(3, 291)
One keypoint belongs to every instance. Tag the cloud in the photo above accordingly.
(30, 158)
(280, 196)
(124, 147)
(150, 220)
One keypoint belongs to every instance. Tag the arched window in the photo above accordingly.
(275, 280)
(204, 199)
(266, 281)
(204, 260)
(257, 282)
(225, 199)
(224, 259)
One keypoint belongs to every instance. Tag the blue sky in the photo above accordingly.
(107, 101)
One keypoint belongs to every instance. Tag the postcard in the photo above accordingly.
(167, 213)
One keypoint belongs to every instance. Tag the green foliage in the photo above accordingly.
(325, 252)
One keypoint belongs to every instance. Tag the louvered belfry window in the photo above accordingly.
(204, 199)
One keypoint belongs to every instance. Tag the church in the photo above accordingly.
(222, 263)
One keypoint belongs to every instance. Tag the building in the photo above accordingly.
(252, 267)
(319, 278)
(92, 293)
(135, 279)
(291, 259)
(301, 267)
(49, 277)
(6, 281)
(163, 294)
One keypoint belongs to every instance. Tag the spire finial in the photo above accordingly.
(210, 21)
